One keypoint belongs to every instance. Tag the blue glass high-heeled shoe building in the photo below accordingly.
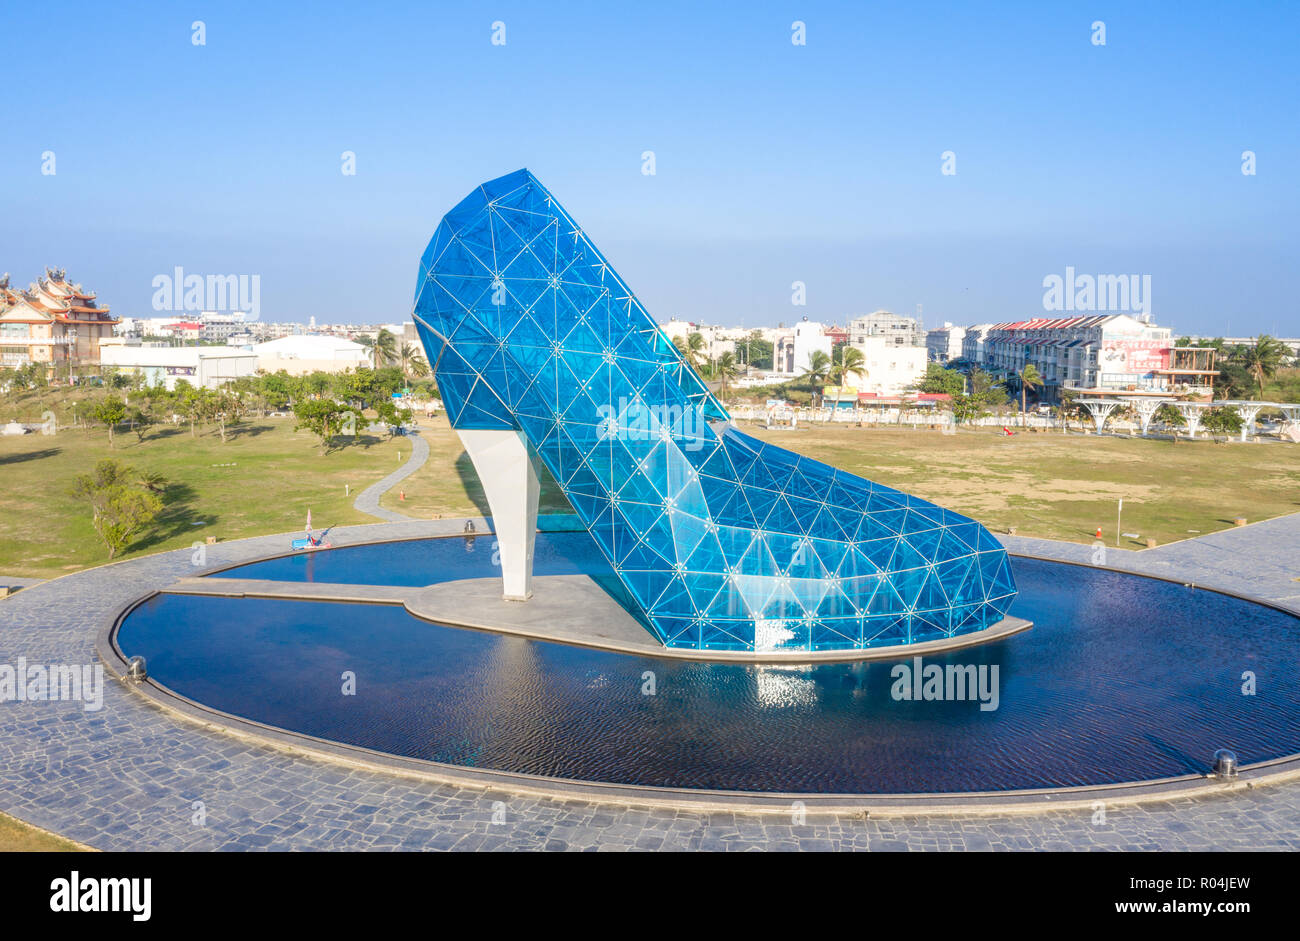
(723, 541)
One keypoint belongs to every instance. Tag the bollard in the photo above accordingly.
(1225, 764)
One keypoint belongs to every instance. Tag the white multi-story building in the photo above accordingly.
(890, 368)
(945, 343)
(1098, 352)
(972, 343)
(895, 328)
(793, 350)
(717, 340)
(217, 326)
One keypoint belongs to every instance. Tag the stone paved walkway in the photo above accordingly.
(129, 775)
(1261, 560)
(367, 500)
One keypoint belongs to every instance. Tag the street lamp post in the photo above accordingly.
(72, 348)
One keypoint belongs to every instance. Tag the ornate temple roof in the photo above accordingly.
(54, 295)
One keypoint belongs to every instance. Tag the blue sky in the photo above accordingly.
(774, 162)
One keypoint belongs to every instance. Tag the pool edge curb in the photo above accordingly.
(1029, 801)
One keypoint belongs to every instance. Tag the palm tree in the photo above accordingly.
(1029, 376)
(1263, 359)
(418, 365)
(149, 480)
(692, 349)
(368, 342)
(985, 389)
(852, 363)
(725, 370)
(407, 354)
(818, 372)
(385, 348)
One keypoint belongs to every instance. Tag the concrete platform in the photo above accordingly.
(565, 609)
(291, 591)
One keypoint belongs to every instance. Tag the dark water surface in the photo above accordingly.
(1122, 678)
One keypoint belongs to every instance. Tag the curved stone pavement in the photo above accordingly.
(128, 776)
(367, 500)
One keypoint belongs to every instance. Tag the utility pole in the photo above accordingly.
(1119, 525)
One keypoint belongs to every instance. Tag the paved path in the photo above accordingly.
(129, 776)
(1261, 560)
(367, 500)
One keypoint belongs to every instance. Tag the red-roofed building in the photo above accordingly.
(1098, 352)
(54, 323)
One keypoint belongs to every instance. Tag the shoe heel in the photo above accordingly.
(509, 478)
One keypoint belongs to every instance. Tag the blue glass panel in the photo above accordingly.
(725, 542)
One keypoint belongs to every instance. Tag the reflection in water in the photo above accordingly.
(784, 687)
(1122, 678)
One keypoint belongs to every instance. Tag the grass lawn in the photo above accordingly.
(1050, 485)
(262, 480)
(267, 475)
(1064, 487)
(447, 486)
(18, 837)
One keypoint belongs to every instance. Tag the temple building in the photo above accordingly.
(54, 323)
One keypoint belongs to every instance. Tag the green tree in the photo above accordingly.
(279, 388)
(692, 349)
(22, 378)
(725, 370)
(412, 360)
(188, 402)
(124, 503)
(942, 380)
(985, 389)
(852, 362)
(141, 418)
(1221, 421)
(1234, 381)
(966, 408)
(817, 373)
(392, 416)
(1029, 378)
(326, 419)
(1169, 416)
(758, 352)
(222, 407)
(384, 350)
(1263, 360)
(364, 386)
(110, 412)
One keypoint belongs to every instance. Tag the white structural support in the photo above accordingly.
(1191, 412)
(510, 483)
(1247, 413)
(1100, 410)
(1146, 409)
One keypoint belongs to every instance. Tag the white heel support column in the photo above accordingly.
(509, 480)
